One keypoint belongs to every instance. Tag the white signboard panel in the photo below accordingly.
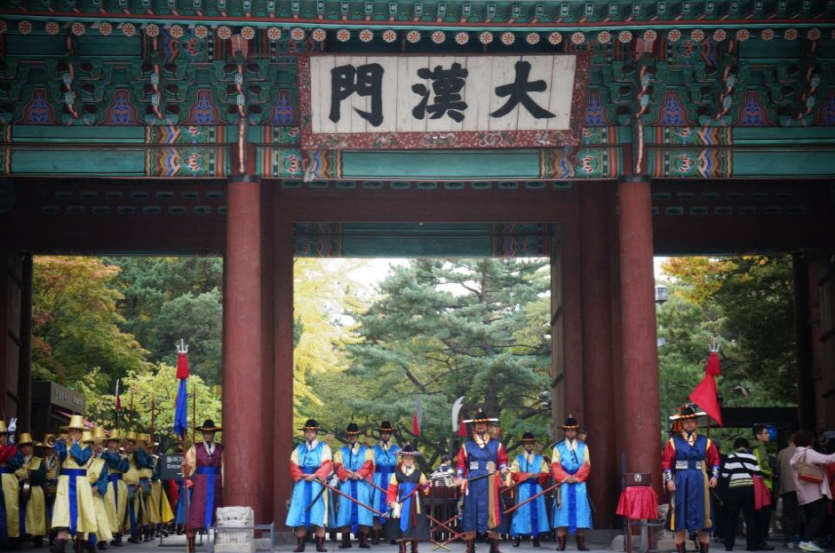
(441, 101)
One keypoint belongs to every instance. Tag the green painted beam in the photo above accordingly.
(78, 134)
(784, 136)
(100, 162)
(779, 162)
(419, 165)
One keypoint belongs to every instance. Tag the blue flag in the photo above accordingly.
(181, 407)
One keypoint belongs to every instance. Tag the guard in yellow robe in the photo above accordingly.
(50, 485)
(97, 475)
(10, 461)
(144, 462)
(74, 511)
(116, 497)
(136, 503)
(31, 476)
(159, 508)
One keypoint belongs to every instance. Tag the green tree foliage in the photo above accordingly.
(153, 394)
(743, 304)
(173, 298)
(75, 324)
(444, 329)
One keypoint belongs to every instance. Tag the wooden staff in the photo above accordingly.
(348, 497)
(152, 424)
(528, 500)
(193, 413)
(130, 413)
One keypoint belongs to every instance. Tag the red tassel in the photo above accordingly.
(713, 367)
(462, 429)
(415, 425)
(182, 366)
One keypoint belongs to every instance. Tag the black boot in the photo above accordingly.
(37, 542)
(102, 545)
(681, 548)
(704, 547)
(470, 542)
(117, 540)
(414, 546)
(494, 545)
(364, 540)
(516, 542)
(401, 546)
(375, 537)
(320, 544)
(536, 542)
(346, 541)
(300, 541)
(59, 546)
(581, 543)
(189, 543)
(560, 543)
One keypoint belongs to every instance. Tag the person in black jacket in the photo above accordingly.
(738, 473)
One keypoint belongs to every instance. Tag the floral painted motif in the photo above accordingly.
(674, 35)
(78, 28)
(767, 34)
(152, 30)
(247, 33)
(813, 34)
(532, 38)
(438, 37)
(578, 38)
(201, 32)
(319, 35)
(697, 34)
(389, 36)
(742, 35)
(790, 33)
(719, 35)
(508, 38)
(25, 27)
(297, 34)
(650, 35)
(343, 35)
(52, 28)
(604, 37)
(274, 33)
(176, 31)
(555, 38)
(413, 36)
(486, 37)
(462, 38)
(625, 37)
(366, 35)
(224, 32)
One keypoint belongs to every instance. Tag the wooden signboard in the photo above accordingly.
(414, 102)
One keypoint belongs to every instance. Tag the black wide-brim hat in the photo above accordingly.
(687, 411)
(570, 424)
(409, 451)
(352, 429)
(209, 426)
(527, 437)
(386, 426)
(311, 424)
(481, 417)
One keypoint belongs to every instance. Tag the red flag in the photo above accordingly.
(118, 397)
(182, 366)
(705, 396)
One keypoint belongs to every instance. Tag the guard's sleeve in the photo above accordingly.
(296, 472)
(327, 464)
(461, 461)
(391, 491)
(367, 468)
(668, 459)
(189, 462)
(583, 473)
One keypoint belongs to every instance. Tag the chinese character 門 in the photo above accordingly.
(364, 80)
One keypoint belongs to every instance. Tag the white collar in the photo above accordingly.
(311, 445)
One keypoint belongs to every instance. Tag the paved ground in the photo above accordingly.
(178, 543)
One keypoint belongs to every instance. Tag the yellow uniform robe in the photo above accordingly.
(74, 509)
(116, 509)
(94, 470)
(135, 504)
(10, 493)
(36, 506)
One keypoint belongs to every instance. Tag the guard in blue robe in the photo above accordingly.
(530, 472)
(482, 462)
(311, 465)
(690, 464)
(385, 462)
(354, 465)
(570, 466)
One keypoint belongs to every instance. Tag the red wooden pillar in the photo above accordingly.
(572, 314)
(283, 429)
(597, 354)
(641, 400)
(242, 347)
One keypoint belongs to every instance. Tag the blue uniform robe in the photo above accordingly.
(574, 510)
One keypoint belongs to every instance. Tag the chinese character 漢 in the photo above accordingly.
(446, 85)
(518, 92)
(365, 80)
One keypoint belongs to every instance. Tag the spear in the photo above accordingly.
(528, 500)
(348, 497)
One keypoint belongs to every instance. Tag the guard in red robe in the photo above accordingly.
(203, 463)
